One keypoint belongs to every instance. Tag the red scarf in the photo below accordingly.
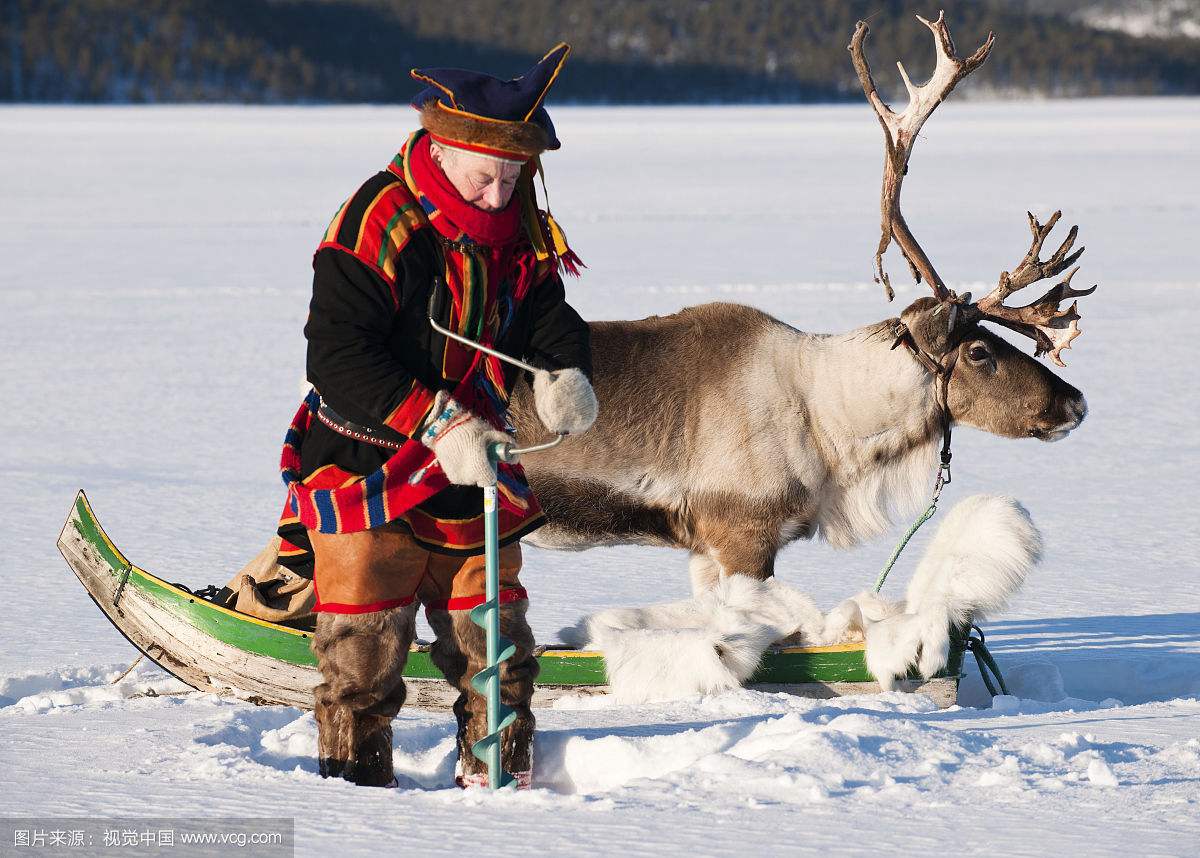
(485, 250)
(494, 229)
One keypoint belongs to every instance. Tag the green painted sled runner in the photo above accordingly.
(213, 648)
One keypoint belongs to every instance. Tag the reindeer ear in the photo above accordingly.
(927, 321)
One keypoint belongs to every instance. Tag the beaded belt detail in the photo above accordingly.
(350, 429)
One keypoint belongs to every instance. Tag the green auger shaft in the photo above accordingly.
(487, 615)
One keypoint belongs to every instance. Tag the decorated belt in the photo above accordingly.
(357, 431)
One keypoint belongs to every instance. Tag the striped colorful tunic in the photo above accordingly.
(382, 267)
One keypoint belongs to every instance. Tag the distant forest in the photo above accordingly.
(298, 51)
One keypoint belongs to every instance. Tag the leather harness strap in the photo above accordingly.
(941, 370)
(944, 373)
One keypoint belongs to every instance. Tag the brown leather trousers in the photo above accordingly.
(367, 587)
(383, 567)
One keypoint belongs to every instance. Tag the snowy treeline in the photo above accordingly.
(668, 51)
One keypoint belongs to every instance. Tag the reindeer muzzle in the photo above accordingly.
(1068, 418)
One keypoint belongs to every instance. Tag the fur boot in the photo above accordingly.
(361, 658)
(460, 652)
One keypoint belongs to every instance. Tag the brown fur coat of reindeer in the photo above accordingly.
(728, 433)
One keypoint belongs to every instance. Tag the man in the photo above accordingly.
(385, 458)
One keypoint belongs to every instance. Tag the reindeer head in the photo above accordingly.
(992, 385)
(987, 382)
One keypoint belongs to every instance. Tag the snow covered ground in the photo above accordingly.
(154, 286)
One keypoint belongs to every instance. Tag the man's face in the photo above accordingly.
(486, 183)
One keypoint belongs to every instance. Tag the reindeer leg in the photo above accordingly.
(742, 552)
(705, 572)
(732, 540)
(757, 561)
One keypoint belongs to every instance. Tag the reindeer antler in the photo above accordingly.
(1051, 328)
(1043, 321)
(900, 134)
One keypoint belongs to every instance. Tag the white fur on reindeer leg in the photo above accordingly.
(713, 642)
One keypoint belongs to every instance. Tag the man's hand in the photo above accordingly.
(565, 400)
(460, 440)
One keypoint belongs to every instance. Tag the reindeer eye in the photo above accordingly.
(978, 353)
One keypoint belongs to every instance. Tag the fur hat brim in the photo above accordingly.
(497, 138)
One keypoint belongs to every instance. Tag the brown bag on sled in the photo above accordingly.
(266, 590)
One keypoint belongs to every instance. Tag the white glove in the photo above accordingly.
(565, 400)
(460, 441)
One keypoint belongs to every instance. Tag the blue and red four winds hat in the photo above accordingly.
(483, 114)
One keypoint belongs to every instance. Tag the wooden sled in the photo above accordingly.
(215, 649)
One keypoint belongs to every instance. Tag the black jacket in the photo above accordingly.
(369, 341)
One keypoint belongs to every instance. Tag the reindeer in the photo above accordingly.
(728, 433)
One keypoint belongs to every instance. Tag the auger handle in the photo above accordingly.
(503, 451)
(487, 350)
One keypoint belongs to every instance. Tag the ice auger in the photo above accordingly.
(487, 615)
